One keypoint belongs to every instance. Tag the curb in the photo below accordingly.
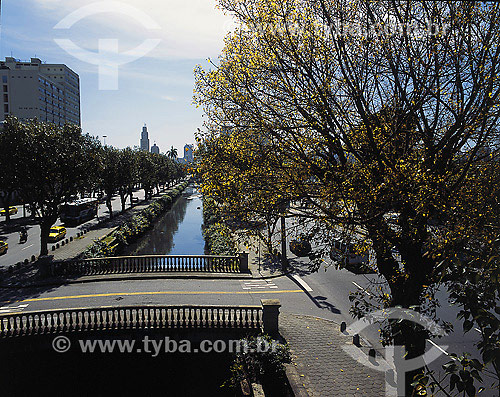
(293, 377)
(143, 276)
(136, 276)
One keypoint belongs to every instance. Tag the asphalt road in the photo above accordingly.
(323, 294)
(19, 252)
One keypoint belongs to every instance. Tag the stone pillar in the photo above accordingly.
(271, 312)
(243, 262)
(44, 265)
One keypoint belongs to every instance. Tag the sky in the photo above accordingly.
(156, 88)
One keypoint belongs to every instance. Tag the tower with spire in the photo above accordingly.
(145, 139)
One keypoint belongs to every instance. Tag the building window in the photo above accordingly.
(6, 108)
(4, 79)
(5, 98)
(5, 88)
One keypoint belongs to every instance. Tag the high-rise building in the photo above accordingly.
(47, 92)
(145, 139)
(155, 149)
(188, 153)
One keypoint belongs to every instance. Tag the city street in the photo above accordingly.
(19, 252)
(323, 294)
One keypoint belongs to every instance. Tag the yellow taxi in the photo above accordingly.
(57, 233)
(3, 247)
(12, 211)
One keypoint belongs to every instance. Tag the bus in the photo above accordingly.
(79, 211)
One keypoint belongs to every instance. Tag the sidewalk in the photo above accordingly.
(320, 367)
(260, 263)
(27, 275)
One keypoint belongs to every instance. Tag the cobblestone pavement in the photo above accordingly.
(324, 368)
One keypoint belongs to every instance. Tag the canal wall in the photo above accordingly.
(135, 227)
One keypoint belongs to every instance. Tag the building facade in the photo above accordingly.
(155, 149)
(47, 92)
(145, 139)
(188, 154)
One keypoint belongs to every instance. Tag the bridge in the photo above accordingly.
(144, 264)
(250, 318)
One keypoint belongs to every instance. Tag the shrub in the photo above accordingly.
(136, 226)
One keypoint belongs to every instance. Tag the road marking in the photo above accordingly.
(258, 284)
(362, 289)
(438, 347)
(25, 248)
(302, 283)
(10, 309)
(55, 298)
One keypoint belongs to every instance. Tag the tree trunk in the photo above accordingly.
(123, 199)
(44, 237)
(110, 207)
(6, 204)
(131, 197)
(6, 208)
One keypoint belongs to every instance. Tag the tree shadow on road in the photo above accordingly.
(16, 281)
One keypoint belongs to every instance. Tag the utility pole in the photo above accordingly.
(284, 260)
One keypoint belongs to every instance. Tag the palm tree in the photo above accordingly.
(172, 153)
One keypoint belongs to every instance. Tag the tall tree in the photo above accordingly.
(54, 164)
(127, 175)
(11, 139)
(386, 106)
(172, 153)
(110, 174)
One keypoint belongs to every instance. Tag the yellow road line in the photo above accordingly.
(55, 298)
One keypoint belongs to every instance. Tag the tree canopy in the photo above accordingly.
(364, 109)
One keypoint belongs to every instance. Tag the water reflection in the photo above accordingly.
(178, 232)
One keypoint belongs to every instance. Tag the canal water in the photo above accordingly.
(177, 232)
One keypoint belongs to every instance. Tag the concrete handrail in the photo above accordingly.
(248, 317)
(145, 264)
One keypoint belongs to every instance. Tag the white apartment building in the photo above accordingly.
(47, 92)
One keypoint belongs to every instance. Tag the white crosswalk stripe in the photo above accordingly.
(258, 284)
(12, 309)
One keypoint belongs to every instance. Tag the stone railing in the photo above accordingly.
(145, 264)
(257, 318)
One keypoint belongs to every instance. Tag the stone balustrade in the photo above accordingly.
(145, 264)
(262, 317)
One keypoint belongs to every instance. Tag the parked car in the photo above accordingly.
(57, 233)
(3, 247)
(12, 211)
(300, 247)
(346, 253)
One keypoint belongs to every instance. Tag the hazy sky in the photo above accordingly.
(155, 89)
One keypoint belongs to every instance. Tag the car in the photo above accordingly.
(12, 211)
(57, 233)
(346, 253)
(3, 247)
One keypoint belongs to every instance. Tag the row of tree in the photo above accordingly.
(47, 165)
(364, 110)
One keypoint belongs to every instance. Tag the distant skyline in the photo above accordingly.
(156, 89)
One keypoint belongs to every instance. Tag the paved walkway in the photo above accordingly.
(320, 366)
(28, 274)
(260, 263)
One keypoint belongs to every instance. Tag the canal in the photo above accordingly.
(177, 232)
